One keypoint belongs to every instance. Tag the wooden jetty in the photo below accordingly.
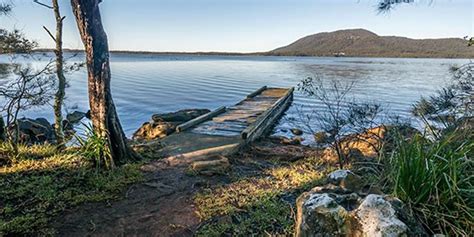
(226, 129)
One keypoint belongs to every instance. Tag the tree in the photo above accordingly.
(27, 88)
(61, 90)
(340, 116)
(11, 42)
(104, 116)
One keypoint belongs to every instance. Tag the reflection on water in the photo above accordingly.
(147, 84)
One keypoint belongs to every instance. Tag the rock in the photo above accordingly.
(287, 141)
(377, 217)
(75, 117)
(163, 125)
(215, 165)
(319, 213)
(345, 179)
(88, 114)
(151, 130)
(334, 210)
(368, 143)
(296, 131)
(180, 116)
(34, 131)
(292, 141)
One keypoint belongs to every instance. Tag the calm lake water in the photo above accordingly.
(146, 84)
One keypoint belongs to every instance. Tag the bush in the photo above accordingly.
(437, 180)
(95, 149)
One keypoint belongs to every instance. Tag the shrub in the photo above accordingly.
(95, 149)
(437, 180)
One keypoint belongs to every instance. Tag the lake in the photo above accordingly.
(144, 84)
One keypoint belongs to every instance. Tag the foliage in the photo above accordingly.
(340, 116)
(5, 8)
(437, 180)
(387, 5)
(15, 42)
(258, 205)
(40, 183)
(28, 87)
(450, 103)
(95, 148)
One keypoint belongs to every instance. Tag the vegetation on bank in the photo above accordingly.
(262, 203)
(40, 182)
(436, 179)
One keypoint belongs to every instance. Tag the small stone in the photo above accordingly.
(296, 131)
(292, 141)
(75, 117)
(216, 165)
(345, 179)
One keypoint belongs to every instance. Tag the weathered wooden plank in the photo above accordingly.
(265, 120)
(200, 119)
(223, 125)
(259, 91)
(220, 132)
(233, 116)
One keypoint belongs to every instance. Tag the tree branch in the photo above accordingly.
(49, 33)
(42, 4)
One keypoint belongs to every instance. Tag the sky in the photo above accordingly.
(242, 25)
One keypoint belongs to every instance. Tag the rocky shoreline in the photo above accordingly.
(342, 206)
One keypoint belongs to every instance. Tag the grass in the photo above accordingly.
(40, 182)
(437, 180)
(259, 205)
(95, 149)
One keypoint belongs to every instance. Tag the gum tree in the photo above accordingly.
(105, 121)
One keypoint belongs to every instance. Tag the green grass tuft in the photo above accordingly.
(437, 180)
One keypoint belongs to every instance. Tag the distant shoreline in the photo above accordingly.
(162, 53)
(261, 54)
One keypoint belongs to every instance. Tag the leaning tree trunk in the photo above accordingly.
(103, 114)
(59, 97)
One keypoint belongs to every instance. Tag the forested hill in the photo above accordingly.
(360, 42)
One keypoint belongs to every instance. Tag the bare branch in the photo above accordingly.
(49, 33)
(42, 4)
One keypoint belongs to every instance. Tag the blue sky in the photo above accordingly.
(243, 25)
